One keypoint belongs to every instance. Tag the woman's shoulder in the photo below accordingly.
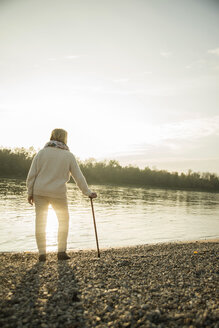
(71, 155)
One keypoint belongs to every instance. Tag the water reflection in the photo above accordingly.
(125, 216)
(12, 187)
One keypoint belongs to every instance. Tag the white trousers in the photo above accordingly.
(60, 206)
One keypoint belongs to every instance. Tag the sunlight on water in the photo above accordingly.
(124, 216)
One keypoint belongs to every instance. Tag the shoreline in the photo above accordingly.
(155, 285)
(207, 240)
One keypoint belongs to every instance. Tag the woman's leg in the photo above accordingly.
(41, 209)
(60, 206)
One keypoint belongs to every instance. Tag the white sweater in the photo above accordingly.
(50, 171)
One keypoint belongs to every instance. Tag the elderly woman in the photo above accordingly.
(46, 183)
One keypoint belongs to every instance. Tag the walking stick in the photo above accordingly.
(95, 228)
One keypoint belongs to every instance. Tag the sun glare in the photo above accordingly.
(51, 230)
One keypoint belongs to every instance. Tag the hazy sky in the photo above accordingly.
(135, 80)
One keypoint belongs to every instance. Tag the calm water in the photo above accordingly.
(125, 216)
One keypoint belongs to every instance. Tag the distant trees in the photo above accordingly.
(16, 163)
(113, 173)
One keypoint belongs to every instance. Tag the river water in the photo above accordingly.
(124, 216)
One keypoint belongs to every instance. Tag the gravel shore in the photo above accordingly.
(163, 285)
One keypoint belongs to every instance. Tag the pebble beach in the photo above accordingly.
(159, 285)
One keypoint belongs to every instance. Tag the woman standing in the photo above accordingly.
(46, 184)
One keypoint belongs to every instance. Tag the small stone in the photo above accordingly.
(126, 324)
(145, 306)
(44, 325)
(98, 319)
(108, 308)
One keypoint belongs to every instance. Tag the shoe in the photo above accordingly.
(63, 256)
(42, 258)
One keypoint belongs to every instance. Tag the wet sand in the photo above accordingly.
(159, 285)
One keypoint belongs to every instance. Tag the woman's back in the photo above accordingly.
(50, 171)
(53, 171)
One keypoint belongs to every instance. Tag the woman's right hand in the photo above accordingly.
(93, 195)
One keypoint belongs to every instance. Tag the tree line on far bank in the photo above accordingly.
(16, 163)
